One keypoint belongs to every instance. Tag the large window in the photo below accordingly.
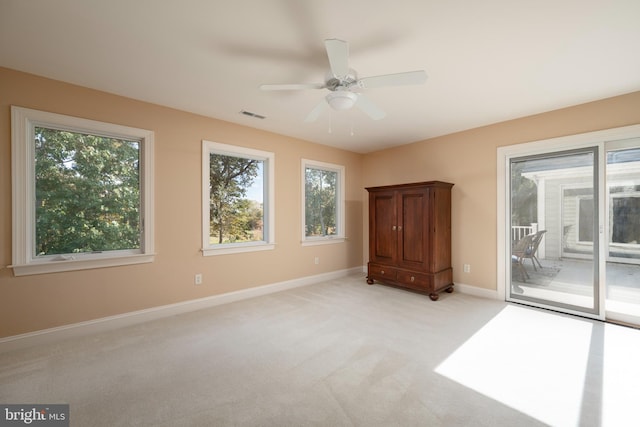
(82, 193)
(237, 199)
(323, 202)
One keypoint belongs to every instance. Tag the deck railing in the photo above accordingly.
(519, 231)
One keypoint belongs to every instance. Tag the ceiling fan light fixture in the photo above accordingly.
(340, 80)
(341, 99)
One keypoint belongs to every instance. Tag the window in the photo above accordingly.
(323, 203)
(237, 199)
(82, 193)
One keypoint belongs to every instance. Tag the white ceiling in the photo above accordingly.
(487, 61)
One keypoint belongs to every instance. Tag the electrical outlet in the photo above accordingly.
(198, 279)
(467, 268)
(317, 260)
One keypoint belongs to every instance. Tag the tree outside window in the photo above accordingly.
(237, 199)
(234, 216)
(87, 193)
(323, 201)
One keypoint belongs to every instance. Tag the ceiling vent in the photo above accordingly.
(250, 114)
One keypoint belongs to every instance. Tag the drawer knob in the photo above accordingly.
(381, 271)
(413, 279)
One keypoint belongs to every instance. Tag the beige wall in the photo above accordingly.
(32, 303)
(468, 159)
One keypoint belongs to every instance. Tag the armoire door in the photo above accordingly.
(413, 232)
(383, 234)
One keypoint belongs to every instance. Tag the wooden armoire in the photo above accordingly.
(410, 236)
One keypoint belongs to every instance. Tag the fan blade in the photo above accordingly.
(338, 53)
(369, 108)
(399, 79)
(317, 110)
(301, 86)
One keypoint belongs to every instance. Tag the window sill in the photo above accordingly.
(50, 266)
(323, 241)
(238, 248)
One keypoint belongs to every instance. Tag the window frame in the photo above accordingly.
(340, 235)
(25, 262)
(268, 199)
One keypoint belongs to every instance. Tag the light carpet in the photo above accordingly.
(338, 353)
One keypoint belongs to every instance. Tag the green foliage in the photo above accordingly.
(320, 202)
(524, 197)
(87, 193)
(233, 218)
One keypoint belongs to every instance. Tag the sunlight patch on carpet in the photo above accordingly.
(531, 361)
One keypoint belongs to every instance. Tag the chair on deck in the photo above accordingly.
(537, 238)
(520, 251)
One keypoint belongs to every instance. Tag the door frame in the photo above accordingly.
(559, 144)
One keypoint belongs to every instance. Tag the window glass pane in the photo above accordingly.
(585, 220)
(625, 224)
(87, 193)
(321, 202)
(236, 206)
(553, 225)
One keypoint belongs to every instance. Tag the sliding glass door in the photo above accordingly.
(554, 231)
(623, 230)
(569, 224)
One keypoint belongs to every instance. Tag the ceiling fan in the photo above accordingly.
(343, 84)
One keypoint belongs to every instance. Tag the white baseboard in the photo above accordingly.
(46, 336)
(476, 291)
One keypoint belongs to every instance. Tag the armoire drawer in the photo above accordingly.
(415, 280)
(382, 272)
